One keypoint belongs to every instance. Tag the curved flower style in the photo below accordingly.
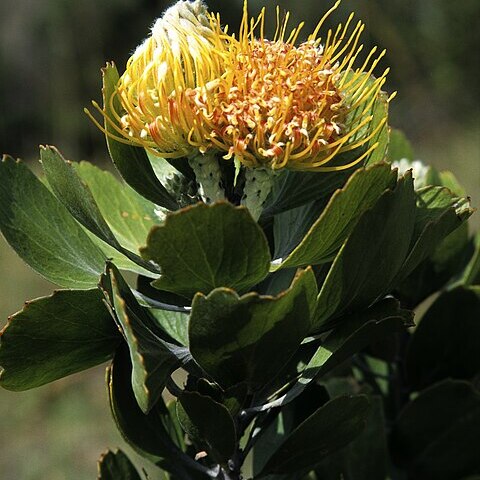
(191, 87)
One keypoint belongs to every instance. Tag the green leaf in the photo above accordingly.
(366, 457)
(274, 426)
(234, 398)
(116, 466)
(436, 435)
(361, 329)
(203, 247)
(330, 428)
(132, 162)
(74, 194)
(438, 214)
(471, 274)
(432, 202)
(173, 426)
(148, 434)
(271, 437)
(339, 217)
(291, 226)
(119, 259)
(371, 257)
(449, 255)
(153, 358)
(352, 333)
(293, 189)
(209, 423)
(43, 233)
(445, 344)
(448, 179)
(79, 201)
(276, 282)
(248, 339)
(399, 147)
(55, 336)
(128, 214)
(174, 324)
(164, 169)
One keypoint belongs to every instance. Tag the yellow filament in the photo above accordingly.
(193, 87)
(314, 34)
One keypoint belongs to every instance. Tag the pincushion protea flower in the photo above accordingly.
(191, 87)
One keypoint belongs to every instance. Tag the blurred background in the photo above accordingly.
(50, 55)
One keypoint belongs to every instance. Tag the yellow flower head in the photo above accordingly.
(191, 87)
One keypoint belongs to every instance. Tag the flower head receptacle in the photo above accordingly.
(193, 88)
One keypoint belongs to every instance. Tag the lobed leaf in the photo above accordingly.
(73, 194)
(55, 336)
(153, 435)
(272, 436)
(120, 260)
(248, 339)
(291, 226)
(203, 247)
